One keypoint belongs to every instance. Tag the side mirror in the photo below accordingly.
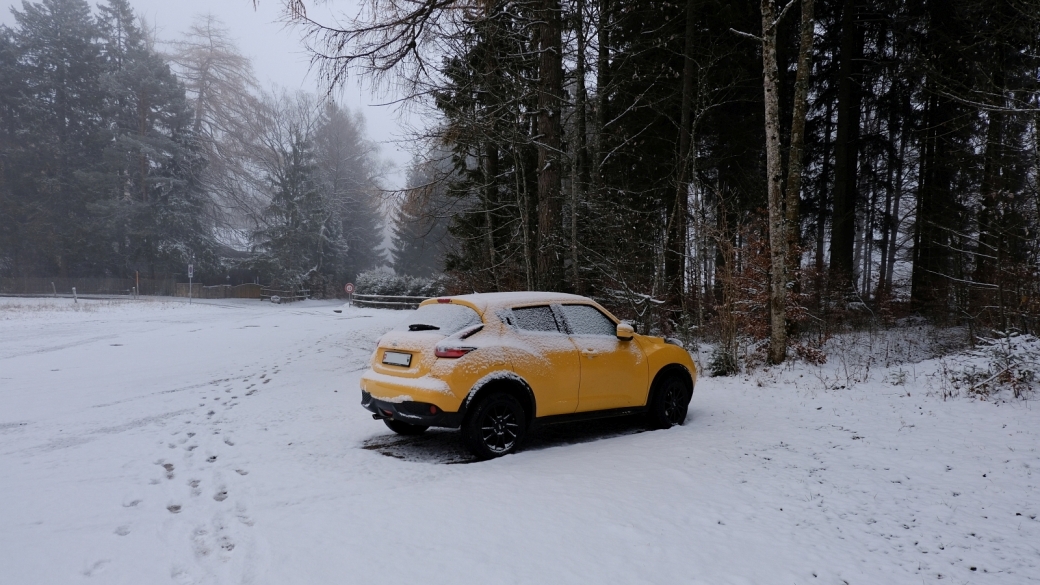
(625, 332)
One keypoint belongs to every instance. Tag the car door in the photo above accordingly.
(546, 359)
(614, 373)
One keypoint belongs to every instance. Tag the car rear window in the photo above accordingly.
(535, 319)
(442, 318)
(588, 320)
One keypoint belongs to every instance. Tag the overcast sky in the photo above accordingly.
(277, 52)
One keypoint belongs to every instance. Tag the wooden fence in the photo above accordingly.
(388, 301)
(85, 286)
(285, 296)
(221, 291)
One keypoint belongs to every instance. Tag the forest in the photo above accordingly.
(773, 171)
(125, 155)
(758, 174)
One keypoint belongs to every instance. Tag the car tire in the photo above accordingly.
(495, 426)
(671, 402)
(403, 428)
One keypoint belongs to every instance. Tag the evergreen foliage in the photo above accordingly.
(420, 232)
(914, 189)
(113, 163)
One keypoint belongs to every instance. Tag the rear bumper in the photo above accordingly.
(414, 413)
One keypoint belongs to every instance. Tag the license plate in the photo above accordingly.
(396, 358)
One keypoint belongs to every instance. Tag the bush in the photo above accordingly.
(723, 363)
(380, 282)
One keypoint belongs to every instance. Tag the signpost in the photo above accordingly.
(349, 289)
(191, 273)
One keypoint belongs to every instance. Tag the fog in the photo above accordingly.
(278, 54)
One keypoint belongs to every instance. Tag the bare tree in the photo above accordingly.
(220, 84)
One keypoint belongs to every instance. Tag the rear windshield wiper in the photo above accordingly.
(422, 327)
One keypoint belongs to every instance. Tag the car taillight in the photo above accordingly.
(443, 301)
(452, 352)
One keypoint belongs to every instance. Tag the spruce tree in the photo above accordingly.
(63, 134)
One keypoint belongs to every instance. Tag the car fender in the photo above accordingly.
(664, 357)
(498, 376)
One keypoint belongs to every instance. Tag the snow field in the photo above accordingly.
(223, 442)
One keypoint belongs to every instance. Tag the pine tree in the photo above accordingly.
(153, 212)
(420, 231)
(298, 236)
(62, 133)
(347, 171)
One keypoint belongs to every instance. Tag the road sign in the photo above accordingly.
(348, 288)
(191, 270)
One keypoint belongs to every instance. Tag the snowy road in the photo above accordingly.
(154, 442)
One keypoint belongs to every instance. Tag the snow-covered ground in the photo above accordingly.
(223, 442)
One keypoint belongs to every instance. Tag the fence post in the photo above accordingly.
(75, 299)
(55, 289)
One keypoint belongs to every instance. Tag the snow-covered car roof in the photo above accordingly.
(485, 301)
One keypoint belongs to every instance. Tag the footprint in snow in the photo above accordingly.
(174, 508)
(89, 572)
(240, 513)
(229, 442)
(241, 472)
(211, 458)
(221, 495)
(122, 530)
(131, 504)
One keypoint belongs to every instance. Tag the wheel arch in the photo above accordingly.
(664, 372)
(507, 382)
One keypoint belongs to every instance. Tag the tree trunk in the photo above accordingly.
(821, 203)
(550, 91)
(796, 157)
(581, 181)
(675, 254)
(774, 175)
(491, 202)
(843, 221)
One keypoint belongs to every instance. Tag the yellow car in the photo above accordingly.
(495, 364)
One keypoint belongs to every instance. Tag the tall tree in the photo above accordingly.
(348, 172)
(846, 158)
(222, 92)
(421, 239)
(59, 106)
(778, 234)
(549, 143)
(153, 209)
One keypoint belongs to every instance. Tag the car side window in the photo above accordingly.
(535, 319)
(588, 320)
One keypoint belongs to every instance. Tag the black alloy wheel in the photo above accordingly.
(671, 403)
(403, 428)
(495, 426)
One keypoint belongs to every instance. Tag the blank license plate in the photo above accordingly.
(396, 358)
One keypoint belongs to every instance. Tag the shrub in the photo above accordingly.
(380, 282)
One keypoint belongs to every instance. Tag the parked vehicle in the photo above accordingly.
(495, 364)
